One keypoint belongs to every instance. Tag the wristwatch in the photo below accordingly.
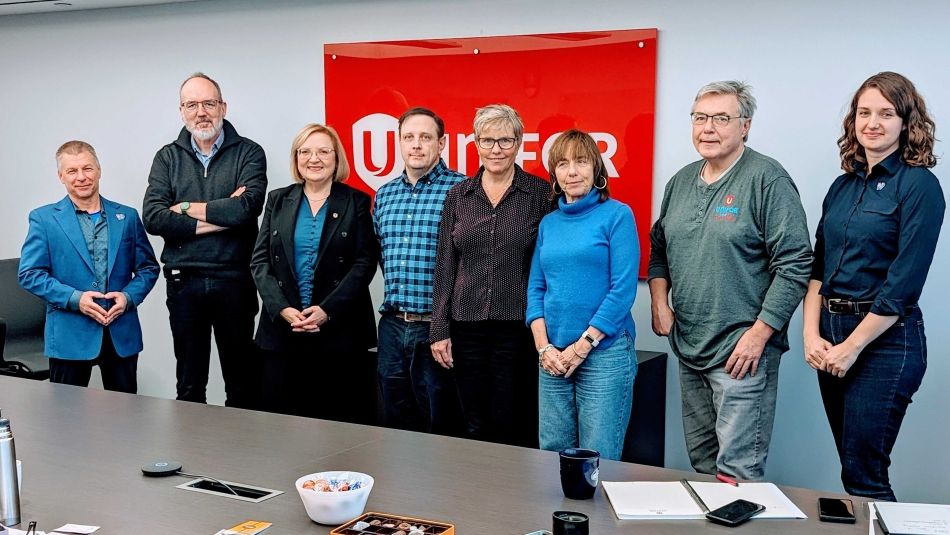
(590, 339)
(184, 207)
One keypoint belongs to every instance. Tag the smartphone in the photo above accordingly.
(735, 513)
(836, 510)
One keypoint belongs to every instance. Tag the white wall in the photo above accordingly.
(111, 77)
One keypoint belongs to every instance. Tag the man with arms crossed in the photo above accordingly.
(205, 191)
(418, 394)
(731, 248)
(90, 260)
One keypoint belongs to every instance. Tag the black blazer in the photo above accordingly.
(346, 264)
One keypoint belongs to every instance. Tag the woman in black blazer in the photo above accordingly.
(315, 256)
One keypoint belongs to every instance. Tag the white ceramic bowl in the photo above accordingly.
(335, 507)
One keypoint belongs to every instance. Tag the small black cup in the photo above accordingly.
(570, 523)
(580, 472)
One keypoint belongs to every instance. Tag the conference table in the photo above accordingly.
(83, 449)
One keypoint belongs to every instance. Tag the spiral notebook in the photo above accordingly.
(672, 500)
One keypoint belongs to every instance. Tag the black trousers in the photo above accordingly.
(199, 304)
(317, 376)
(496, 371)
(118, 373)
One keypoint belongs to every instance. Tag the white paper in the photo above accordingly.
(872, 516)
(76, 528)
(914, 518)
(777, 504)
(633, 500)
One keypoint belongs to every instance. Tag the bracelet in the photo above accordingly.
(574, 347)
(544, 350)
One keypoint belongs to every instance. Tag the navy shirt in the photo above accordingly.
(877, 235)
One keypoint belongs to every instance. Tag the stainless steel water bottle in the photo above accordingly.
(9, 488)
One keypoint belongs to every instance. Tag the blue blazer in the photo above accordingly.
(55, 262)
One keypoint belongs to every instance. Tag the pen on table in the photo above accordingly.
(726, 479)
(699, 501)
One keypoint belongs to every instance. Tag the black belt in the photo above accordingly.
(846, 306)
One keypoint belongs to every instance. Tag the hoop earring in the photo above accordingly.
(554, 188)
(605, 182)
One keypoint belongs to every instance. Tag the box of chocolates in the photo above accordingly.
(389, 524)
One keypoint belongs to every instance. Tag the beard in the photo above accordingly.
(206, 134)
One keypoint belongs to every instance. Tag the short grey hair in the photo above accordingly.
(75, 147)
(500, 115)
(741, 90)
(203, 76)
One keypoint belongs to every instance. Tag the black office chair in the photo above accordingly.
(22, 318)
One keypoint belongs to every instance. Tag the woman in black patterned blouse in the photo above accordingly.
(486, 240)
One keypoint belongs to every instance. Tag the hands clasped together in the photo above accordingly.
(307, 320)
(823, 356)
(557, 362)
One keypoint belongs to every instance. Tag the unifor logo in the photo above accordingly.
(376, 157)
(377, 160)
(729, 199)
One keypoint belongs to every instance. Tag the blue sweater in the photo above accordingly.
(584, 270)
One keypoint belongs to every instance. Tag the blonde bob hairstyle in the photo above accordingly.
(342, 171)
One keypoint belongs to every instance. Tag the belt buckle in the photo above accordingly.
(839, 306)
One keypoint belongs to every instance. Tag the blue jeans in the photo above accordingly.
(591, 408)
(866, 407)
(728, 422)
(418, 394)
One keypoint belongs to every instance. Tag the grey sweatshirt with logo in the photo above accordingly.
(733, 251)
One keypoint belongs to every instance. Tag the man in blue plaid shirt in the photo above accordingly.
(418, 394)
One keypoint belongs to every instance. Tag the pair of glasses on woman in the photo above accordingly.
(323, 153)
(488, 143)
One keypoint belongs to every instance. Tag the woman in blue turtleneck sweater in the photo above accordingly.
(582, 285)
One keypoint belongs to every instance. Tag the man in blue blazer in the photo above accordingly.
(90, 260)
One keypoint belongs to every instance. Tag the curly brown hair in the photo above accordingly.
(916, 139)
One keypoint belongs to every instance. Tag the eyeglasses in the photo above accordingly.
(718, 120)
(580, 163)
(323, 153)
(488, 143)
(208, 105)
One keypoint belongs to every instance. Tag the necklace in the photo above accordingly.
(495, 199)
(311, 199)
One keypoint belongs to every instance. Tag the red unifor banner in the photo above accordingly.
(603, 83)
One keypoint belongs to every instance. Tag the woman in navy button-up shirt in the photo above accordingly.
(315, 256)
(864, 332)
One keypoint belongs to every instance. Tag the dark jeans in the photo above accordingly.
(199, 304)
(118, 373)
(311, 377)
(418, 394)
(866, 407)
(496, 369)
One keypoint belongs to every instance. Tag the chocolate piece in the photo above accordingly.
(400, 532)
(376, 522)
(404, 526)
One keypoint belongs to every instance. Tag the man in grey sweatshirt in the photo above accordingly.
(731, 253)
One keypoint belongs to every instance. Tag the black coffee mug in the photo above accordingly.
(570, 523)
(580, 472)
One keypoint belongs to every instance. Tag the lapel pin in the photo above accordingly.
(335, 215)
(120, 217)
(880, 186)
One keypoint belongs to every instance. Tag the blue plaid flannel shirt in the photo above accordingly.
(406, 219)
